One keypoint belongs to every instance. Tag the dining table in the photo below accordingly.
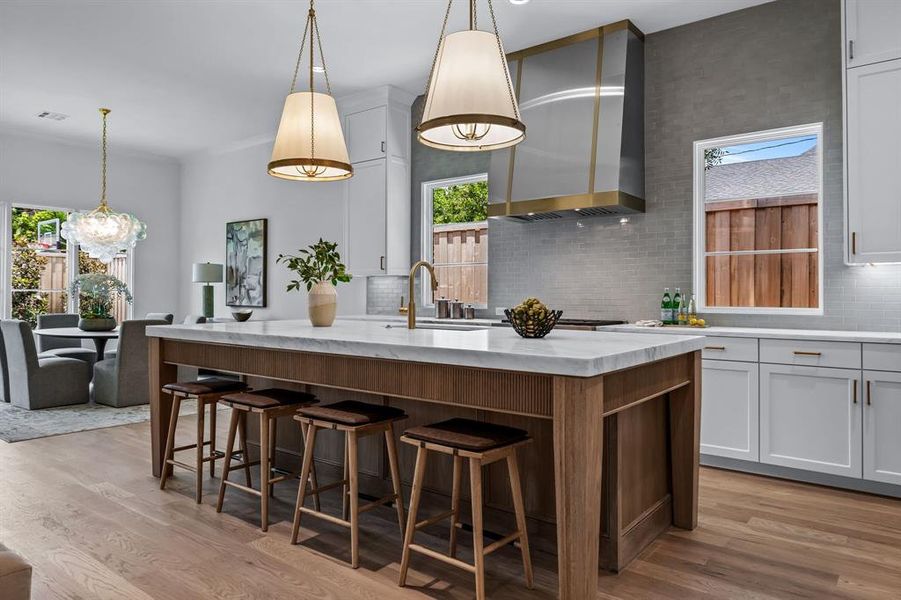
(100, 338)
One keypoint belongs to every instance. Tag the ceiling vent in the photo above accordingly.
(52, 116)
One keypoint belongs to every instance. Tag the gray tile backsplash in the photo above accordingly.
(383, 294)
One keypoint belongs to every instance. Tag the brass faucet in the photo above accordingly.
(411, 304)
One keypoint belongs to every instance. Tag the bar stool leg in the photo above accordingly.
(229, 448)
(314, 482)
(418, 474)
(354, 499)
(170, 440)
(242, 421)
(519, 508)
(214, 405)
(265, 475)
(344, 488)
(198, 454)
(455, 504)
(308, 449)
(273, 443)
(478, 542)
(395, 476)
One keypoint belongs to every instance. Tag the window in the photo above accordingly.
(41, 265)
(455, 238)
(758, 222)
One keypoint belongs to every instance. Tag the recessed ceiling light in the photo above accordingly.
(53, 116)
(318, 69)
(519, 1)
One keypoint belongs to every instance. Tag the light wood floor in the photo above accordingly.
(86, 513)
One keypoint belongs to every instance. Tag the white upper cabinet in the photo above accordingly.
(810, 418)
(872, 31)
(377, 126)
(366, 132)
(882, 427)
(873, 157)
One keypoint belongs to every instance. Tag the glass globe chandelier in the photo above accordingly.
(309, 145)
(102, 232)
(470, 105)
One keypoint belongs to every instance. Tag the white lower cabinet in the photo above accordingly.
(810, 418)
(882, 427)
(729, 409)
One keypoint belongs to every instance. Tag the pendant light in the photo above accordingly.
(470, 105)
(102, 232)
(309, 145)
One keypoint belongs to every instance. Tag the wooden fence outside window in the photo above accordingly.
(460, 257)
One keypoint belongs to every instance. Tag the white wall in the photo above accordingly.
(51, 172)
(234, 186)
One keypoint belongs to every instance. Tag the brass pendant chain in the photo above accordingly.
(428, 83)
(500, 51)
(103, 204)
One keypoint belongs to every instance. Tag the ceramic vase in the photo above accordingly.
(323, 302)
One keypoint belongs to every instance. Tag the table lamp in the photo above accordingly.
(207, 273)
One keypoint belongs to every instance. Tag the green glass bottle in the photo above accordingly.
(677, 303)
(666, 308)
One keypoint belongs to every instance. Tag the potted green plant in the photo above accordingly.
(320, 269)
(97, 293)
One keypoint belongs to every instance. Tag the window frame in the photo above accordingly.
(699, 229)
(6, 209)
(426, 223)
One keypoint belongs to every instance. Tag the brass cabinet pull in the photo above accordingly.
(853, 242)
(807, 353)
(855, 391)
(714, 347)
(869, 394)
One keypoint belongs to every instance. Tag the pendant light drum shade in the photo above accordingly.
(295, 155)
(470, 104)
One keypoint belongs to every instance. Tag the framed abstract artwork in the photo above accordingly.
(245, 263)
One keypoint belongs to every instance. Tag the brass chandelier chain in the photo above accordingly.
(103, 204)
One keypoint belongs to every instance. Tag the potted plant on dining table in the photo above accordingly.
(319, 268)
(97, 293)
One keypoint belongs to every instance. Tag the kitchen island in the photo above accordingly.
(627, 402)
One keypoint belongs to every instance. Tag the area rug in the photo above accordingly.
(18, 424)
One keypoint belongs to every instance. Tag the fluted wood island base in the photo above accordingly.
(641, 419)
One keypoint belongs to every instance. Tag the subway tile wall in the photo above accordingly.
(383, 294)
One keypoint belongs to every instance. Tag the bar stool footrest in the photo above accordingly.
(443, 557)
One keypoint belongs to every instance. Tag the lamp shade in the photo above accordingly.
(309, 145)
(207, 273)
(470, 104)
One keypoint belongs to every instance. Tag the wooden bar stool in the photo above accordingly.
(482, 443)
(355, 420)
(207, 393)
(270, 404)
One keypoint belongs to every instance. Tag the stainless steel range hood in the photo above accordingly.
(582, 100)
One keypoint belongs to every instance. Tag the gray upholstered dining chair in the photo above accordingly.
(41, 382)
(61, 346)
(167, 317)
(124, 380)
(194, 320)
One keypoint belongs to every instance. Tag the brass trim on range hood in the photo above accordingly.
(613, 202)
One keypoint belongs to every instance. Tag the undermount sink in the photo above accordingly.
(440, 326)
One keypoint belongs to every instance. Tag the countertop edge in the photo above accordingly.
(875, 337)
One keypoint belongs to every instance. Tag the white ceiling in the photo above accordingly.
(187, 75)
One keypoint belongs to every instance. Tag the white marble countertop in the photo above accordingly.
(879, 337)
(574, 353)
(420, 318)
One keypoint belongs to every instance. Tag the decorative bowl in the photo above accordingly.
(529, 327)
(94, 324)
(241, 315)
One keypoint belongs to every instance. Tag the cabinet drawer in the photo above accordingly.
(882, 357)
(845, 355)
(730, 348)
